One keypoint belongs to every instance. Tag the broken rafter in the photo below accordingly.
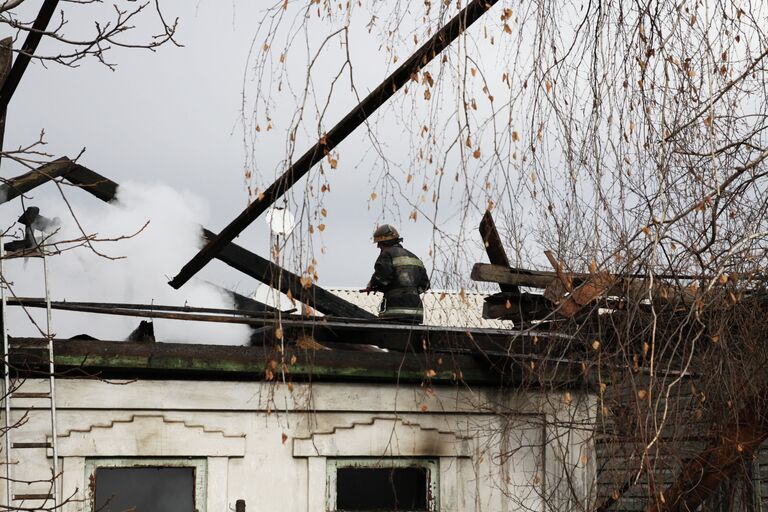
(287, 282)
(338, 133)
(14, 187)
(494, 248)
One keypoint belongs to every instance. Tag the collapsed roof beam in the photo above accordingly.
(338, 133)
(233, 255)
(494, 248)
(14, 187)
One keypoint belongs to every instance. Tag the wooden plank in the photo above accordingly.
(517, 307)
(494, 248)
(598, 285)
(512, 276)
(408, 70)
(14, 187)
(93, 183)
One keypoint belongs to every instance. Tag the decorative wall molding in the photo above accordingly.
(149, 435)
(383, 437)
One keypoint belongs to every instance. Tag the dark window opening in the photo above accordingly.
(145, 489)
(380, 489)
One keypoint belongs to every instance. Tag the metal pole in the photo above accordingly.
(51, 381)
(6, 379)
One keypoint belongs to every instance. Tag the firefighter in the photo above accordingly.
(400, 275)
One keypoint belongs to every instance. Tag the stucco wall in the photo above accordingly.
(269, 445)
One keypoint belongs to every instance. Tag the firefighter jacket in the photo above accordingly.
(401, 276)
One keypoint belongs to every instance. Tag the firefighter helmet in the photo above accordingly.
(384, 233)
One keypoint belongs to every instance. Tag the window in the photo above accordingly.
(382, 485)
(147, 485)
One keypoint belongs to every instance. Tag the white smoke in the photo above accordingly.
(140, 276)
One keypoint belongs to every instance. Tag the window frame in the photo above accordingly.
(432, 464)
(199, 464)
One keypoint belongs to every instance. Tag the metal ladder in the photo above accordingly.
(9, 393)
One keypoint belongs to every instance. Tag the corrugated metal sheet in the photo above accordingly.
(441, 308)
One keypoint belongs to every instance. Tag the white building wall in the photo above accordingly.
(269, 445)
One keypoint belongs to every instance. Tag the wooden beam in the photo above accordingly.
(512, 276)
(14, 187)
(239, 258)
(6, 59)
(517, 307)
(34, 36)
(408, 70)
(277, 277)
(494, 248)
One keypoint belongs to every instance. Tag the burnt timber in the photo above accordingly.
(494, 248)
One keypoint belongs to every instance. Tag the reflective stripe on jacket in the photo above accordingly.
(401, 275)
